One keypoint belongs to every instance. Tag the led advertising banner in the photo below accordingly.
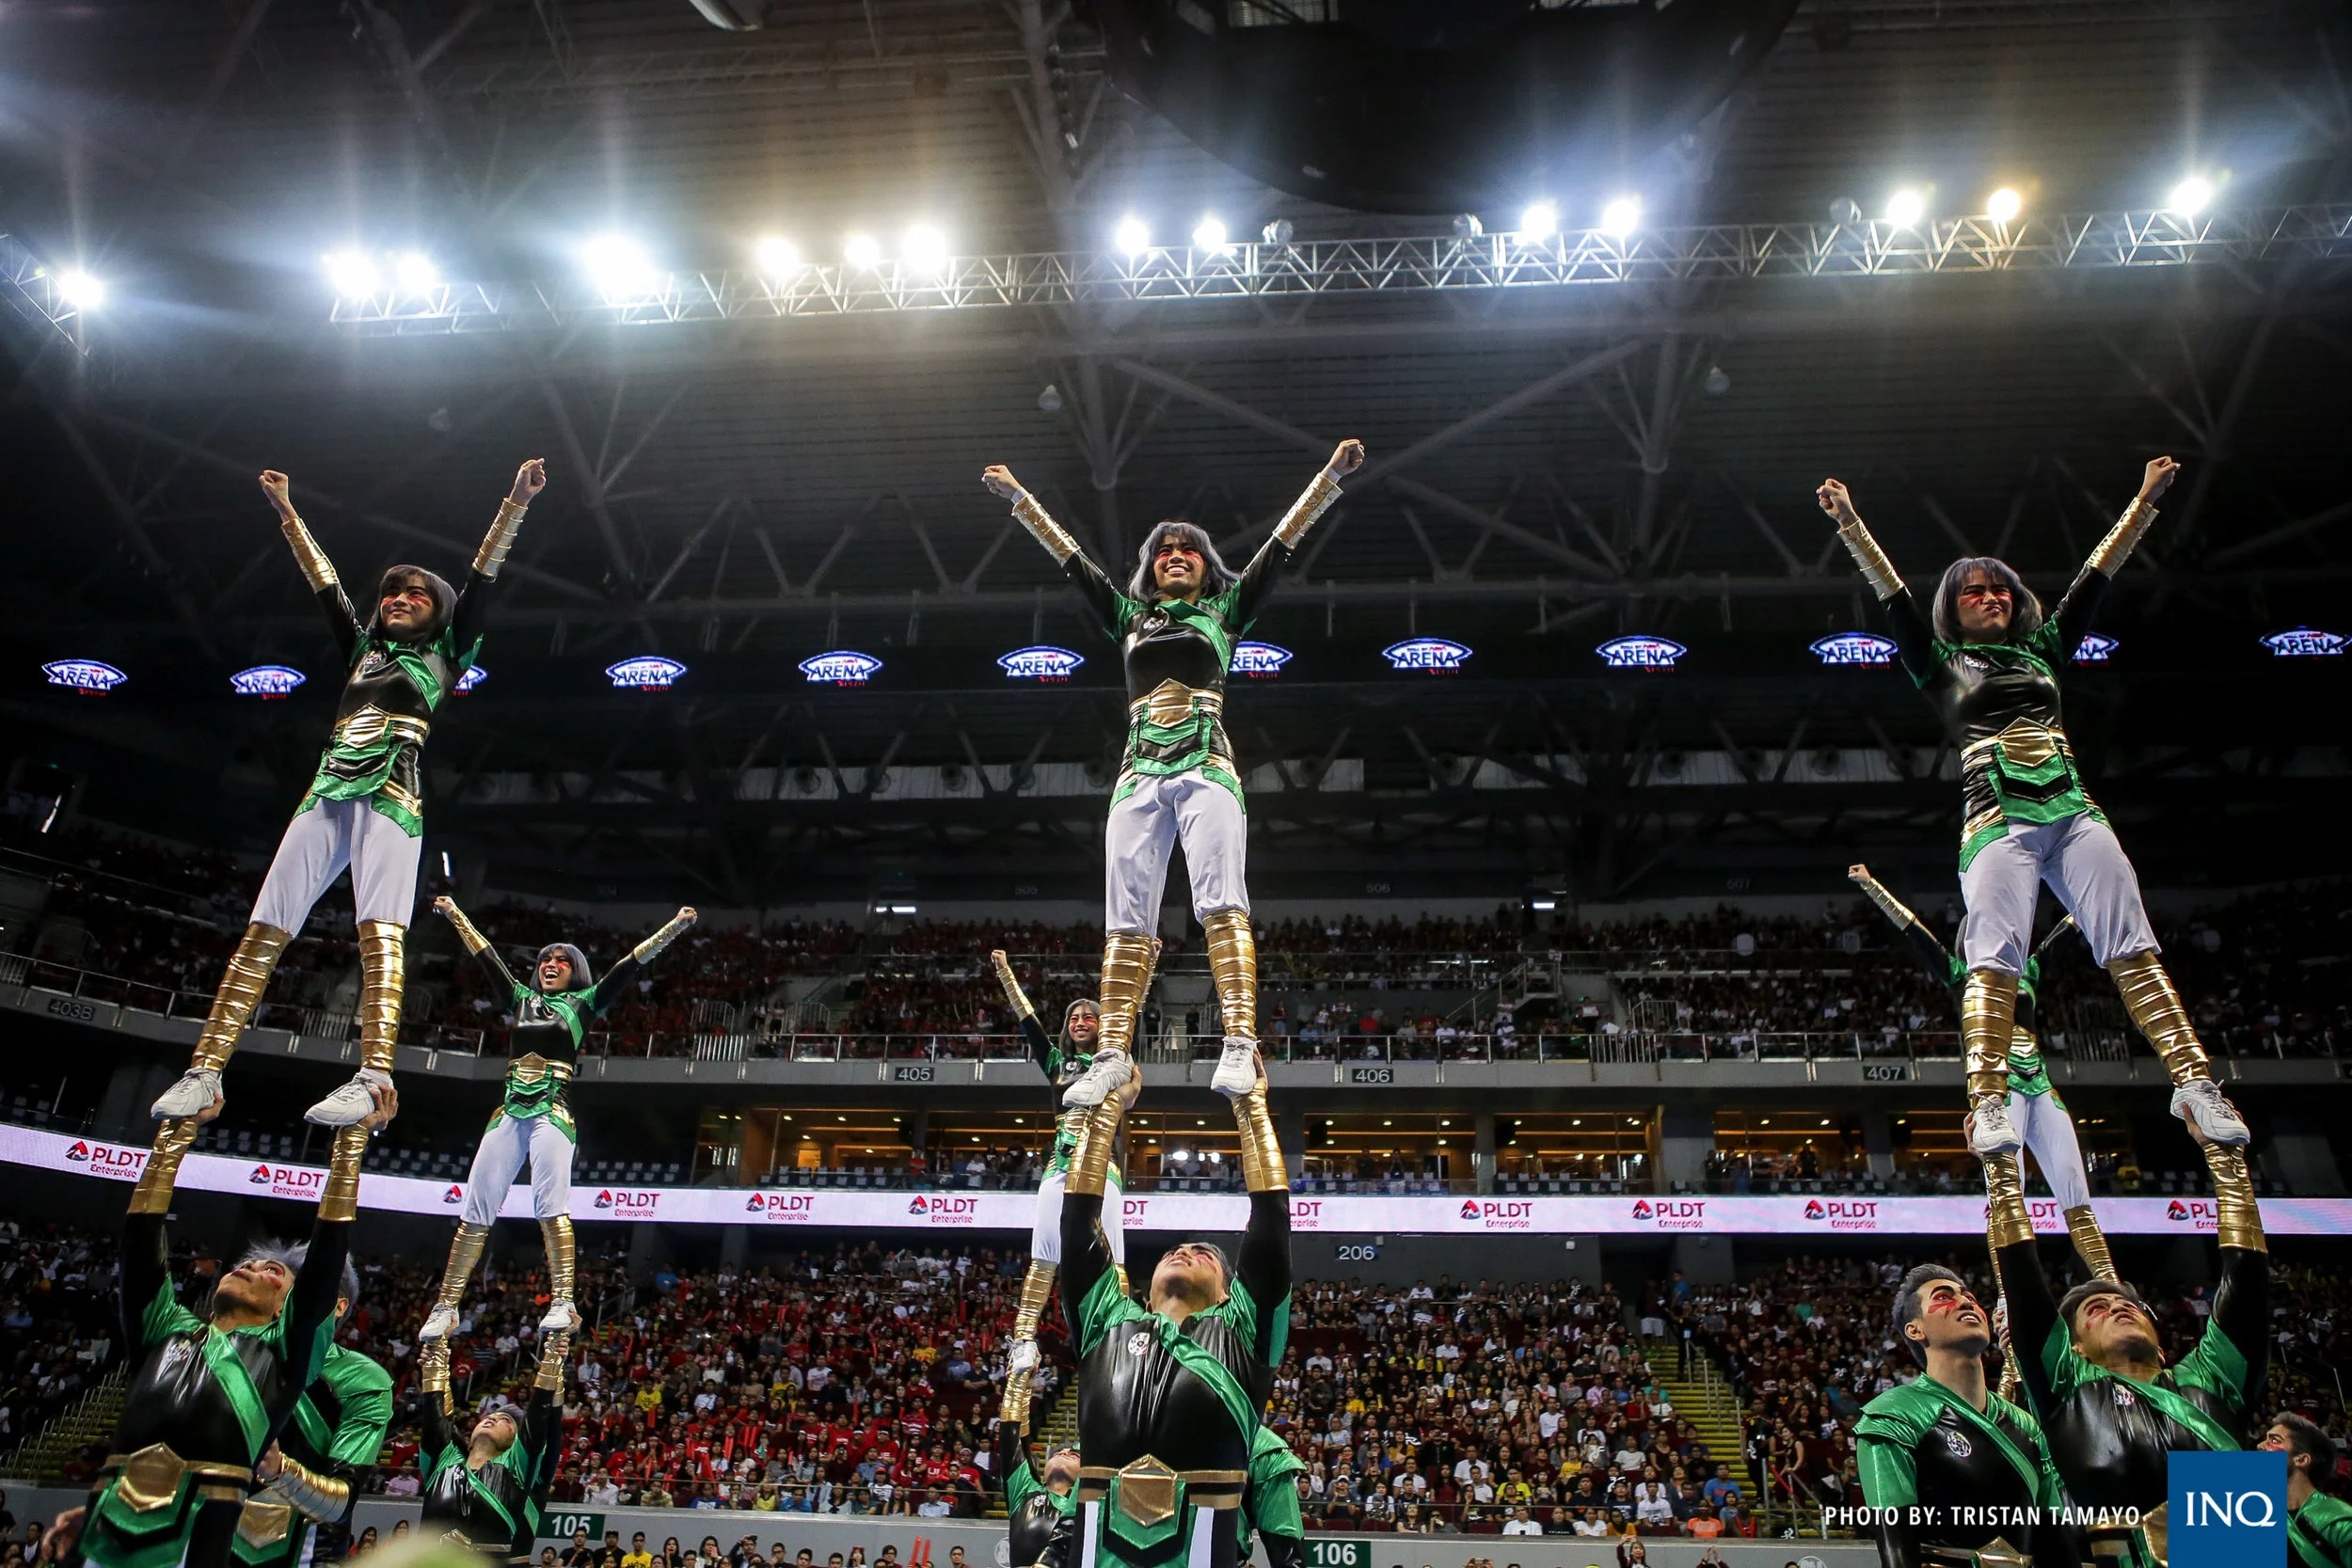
(1631, 1215)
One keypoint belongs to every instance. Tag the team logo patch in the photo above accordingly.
(2124, 1398)
(1958, 1442)
(1138, 1342)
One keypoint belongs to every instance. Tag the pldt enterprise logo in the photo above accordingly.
(2226, 1509)
(1671, 1213)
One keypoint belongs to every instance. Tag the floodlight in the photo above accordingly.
(776, 256)
(1133, 235)
(2190, 196)
(2004, 205)
(1209, 234)
(1621, 217)
(619, 267)
(1541, 221)
(863, 251)
(414, 271)
(352, 274)
(81, 291)
(926, 248)
(1906, 207)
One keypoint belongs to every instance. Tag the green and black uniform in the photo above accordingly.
(390, 693)
(2320, 1533)
(1269, 1503)
(1041, 1522)
(494, 1509)
(2110, 1434)
(1062, 1069)
(337, 1431)
(1168, 1412)
(210, 1396)
(1925, 1453)
(543, 1045)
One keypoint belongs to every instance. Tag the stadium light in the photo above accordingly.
(414, 271)
(1540, 220)
(1133, 235)
(1210, 235)
(776, 256)
(863, 251)
(80, 290)
(2004, 205)
(2190, 196)
(926, 248)
(1621, 217)
(352, 274)
(619, 267)
(1906, 207)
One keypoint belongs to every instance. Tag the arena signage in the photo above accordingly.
(1855, 648)
(1040, 663)
(2095, 648)
(1259, 660)
(267, 681)
(1641, 653)
(475, 674)
(2300, 643)
(841, 667)
(84, 675)
(645, 672)
(1425, 653)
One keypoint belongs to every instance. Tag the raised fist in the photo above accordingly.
(999, 479)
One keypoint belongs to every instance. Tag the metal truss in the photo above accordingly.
(32, 288)
(1720, 253)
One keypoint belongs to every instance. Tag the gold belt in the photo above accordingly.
(1996, 1553)
(1172, 701)
(2025, 744)
(262, 1524)
(150, 1479)
(372, 724)
(529, 1068)
(1146, 1488)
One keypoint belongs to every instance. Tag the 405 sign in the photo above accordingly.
(1339, 1554)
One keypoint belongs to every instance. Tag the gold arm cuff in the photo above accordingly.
(1890, 905)
(2091, 1242)
(314, 1497)
(433, 1370)
(1033, 516)
(466, 932)
(2122, 539)
(2237, 1218)
(1015, 998)
(2006, 1220)
(501, 539)
(1090, 1165)
(1260, 1150)
(651, 948)
(1312, 503)
(1884, 580)
(554, 1351)
(340, 1199)
(317, 570)
(173, 1140)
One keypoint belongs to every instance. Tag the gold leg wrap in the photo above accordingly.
(2237, 1220)
(240, 994)
(2006, 1222)
(2155, 1007)
(1988, 1016)
(465, 1251)
(1090, 1166)
(1126, 971)
(1233, 960)
(2091, 1242)
(1260, 1150)
(557, 1234)
(383, 965)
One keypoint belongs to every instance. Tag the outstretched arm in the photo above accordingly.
(1024, 1016)
(1086, 1255)
(607, 993)
(2241, 1306)
(465, 625)
(149, 1303)
(433, 1406)
(309, 1320)
(1933, 955)
(2033, 1314)
(2080, 606)
(1100, 594)
(480, 946)
(1264, 1266)
(1915, 640)
(319, 571)
(1258, 577)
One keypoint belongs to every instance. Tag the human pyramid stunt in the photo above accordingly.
(246, 1426)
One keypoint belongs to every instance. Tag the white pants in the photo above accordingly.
(1145, 826)
(319, 843)
(2084, 865)
(2049, 1133)
(498, 1158)
(1045, 1230)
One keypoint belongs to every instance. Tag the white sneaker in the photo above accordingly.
(562, 1317)
(439, 1325)
(1022, 1358)
(2201, 1102)
(1991, 1132)
(349, 1105)
(196, 1089)
(1106, 1076)
(1237, 1070)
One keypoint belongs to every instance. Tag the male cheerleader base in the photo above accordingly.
(325, 1454)
(1169, 1395)
(365, 807)
(534, 1121)
(1040, 1513)
(488, 1492)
